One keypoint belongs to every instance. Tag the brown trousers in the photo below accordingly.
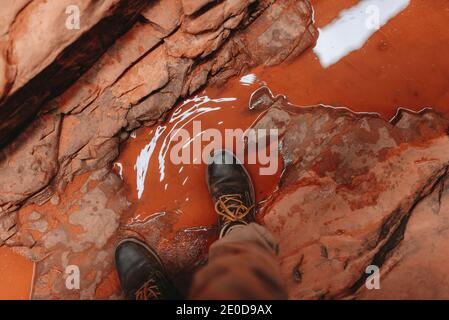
(242, 265)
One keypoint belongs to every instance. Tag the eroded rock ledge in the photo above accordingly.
(167, 54)
(360, 191)
(40, 56)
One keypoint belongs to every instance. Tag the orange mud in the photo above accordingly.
(16, 273)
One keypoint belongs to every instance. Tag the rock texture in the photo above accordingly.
(82, 227)
(361, 191)
(356, 190)
(79, 229)
(42, 53)
(164, 56)
(171, 48)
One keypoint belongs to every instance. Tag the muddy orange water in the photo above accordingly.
(403, 64)
(16, 274)
(156, 184)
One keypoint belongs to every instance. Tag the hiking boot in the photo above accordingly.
(141, 272)
(231, 190)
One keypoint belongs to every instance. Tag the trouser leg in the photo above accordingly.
(242, 265)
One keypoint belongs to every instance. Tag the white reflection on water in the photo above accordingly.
(248, 80)
(143, 160)
(353, 27)
(178, 120)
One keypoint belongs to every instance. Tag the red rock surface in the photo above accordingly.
(356, 191)
(172, 49)
(40, 56)
(135, 82)
(353, 185)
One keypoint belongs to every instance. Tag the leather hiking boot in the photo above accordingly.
(141, 272)
(231, 190)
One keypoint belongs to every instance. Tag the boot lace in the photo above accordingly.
(148, 291)
(232, 208)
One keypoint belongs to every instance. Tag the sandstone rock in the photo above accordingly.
(138, 41)
(352, 185)
(192, 6)
(166, 14)
(132, 87)
(216, 17)
(289, 32)
(25, 168)
(173, 49)
(8, 227)
(417, 268)
(81, 230)
(134, 83)
(58, 55)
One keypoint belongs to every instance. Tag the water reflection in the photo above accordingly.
(143, 160)
(179, 119)
(248, 80)
(353, 27)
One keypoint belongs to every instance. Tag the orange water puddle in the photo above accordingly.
(156, 185)
(16, 273)
(401, 65)
(404, 64)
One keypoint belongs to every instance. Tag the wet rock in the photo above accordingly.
(183, 251)
(40, 55)
(359, 191)
(172, 50)
(80, 231)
